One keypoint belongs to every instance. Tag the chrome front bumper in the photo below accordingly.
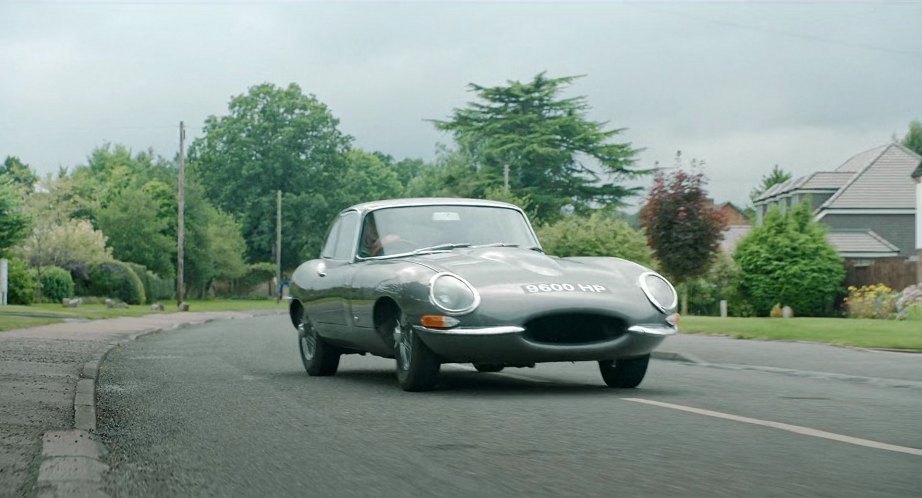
(508, 344)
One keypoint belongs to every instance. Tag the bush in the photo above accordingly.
(788, 260)
(597, 235)
(21, 282)
(871, 301)
(155, 288)
(56, 284)
(117, 280)
(721, 282)
(909, 303)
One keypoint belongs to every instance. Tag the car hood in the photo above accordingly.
(486, 266)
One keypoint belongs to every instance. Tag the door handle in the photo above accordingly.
(321, 273)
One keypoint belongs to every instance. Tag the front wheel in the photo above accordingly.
(319, 357)
(417, 366)
(625, 373)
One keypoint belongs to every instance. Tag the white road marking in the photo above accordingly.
(797, 429)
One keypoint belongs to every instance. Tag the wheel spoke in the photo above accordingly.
(403, 345)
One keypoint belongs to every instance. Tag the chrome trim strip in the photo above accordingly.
(509, 329)
(646, 290)
(660, 330)
(462, 311)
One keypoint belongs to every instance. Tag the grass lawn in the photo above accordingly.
(14, 317)
(862, 333)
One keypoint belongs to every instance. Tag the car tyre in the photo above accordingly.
(318, 356)
(417, 366)
(624, 373)
(489, 367)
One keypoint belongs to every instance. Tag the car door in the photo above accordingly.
(331, 312)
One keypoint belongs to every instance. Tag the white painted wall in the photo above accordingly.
(919, 213)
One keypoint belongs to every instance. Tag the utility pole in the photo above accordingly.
(506, 177)
(278, 245)
(180, 217)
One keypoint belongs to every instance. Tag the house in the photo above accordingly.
(868, 203)
(737, 226)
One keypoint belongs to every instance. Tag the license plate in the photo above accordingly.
(538, 288)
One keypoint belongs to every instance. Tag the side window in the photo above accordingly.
(345, 241)
(330, 244)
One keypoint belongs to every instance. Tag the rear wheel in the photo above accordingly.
(624, 373)
(417, 366)
(319, 357)
(489, 367)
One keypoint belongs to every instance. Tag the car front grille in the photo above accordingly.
(573, 328)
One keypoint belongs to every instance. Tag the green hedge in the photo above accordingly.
(116, 279)
(155, 288)
(21, 281)
(56, 284)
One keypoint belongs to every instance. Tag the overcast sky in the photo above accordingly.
(741, 85)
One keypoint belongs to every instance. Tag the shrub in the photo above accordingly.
(788, 260)
(117, 280)
(155, 288)
(56, 284)
(597, 235)
(871, 301)
(721, 282)
(21, 282)
(909, 303)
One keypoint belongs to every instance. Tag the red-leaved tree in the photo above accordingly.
(683, 228)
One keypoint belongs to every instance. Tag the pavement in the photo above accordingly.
(47, 400)
(48, 374)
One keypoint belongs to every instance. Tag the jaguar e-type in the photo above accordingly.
(433, 281)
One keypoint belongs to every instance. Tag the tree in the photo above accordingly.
(913, 138)
(136, 231)
(600, 234)
(273, 139)
(18, 173)
(555, 154)
(65, 243)
(682, 226)
(776, 176)
(14, 223)
(788, 261)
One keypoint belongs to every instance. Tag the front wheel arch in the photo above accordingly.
(295, 313)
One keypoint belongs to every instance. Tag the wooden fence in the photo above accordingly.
(896, 273)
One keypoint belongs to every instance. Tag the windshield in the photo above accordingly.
(401, 230)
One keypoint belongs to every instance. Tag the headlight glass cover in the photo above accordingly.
(452, 294)
(659, 291)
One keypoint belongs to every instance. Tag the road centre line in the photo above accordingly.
(797, 429)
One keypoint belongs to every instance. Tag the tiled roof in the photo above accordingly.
(862, 159)
(827, 179)
(830, 180)
(883, 183)
(861, 241)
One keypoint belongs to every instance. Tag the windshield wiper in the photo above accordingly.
(498, 244)
(537, 249)
(441, 247)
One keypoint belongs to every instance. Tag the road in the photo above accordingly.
(227, 409)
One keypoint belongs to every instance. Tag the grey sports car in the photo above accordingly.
(432, 281)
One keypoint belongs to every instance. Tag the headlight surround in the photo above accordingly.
(659, 291)
(452, 294)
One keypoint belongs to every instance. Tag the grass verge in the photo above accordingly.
(17, 317)
(886, 334)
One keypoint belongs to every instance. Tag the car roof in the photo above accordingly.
(429, 201)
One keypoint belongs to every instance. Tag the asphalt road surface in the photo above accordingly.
(227, 409)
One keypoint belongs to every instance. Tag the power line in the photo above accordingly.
(790, 34)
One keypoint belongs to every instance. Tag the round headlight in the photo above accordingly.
(659, 291)
(452, 294)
